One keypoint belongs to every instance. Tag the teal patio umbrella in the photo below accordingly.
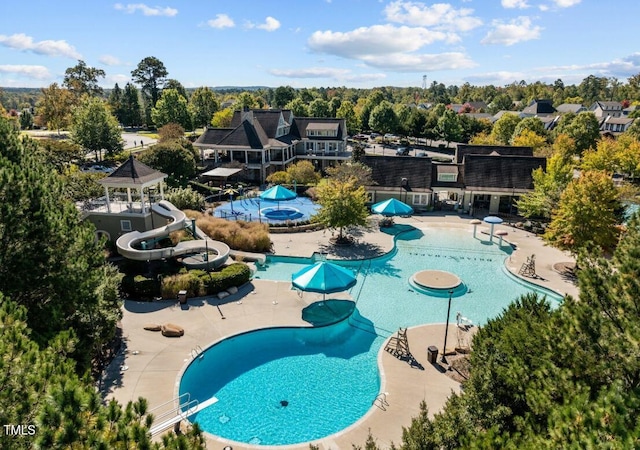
(278, 194)
(324, 278)
(392, 207)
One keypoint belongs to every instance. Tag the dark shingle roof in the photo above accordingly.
(388, 171)
(463, 150)
(539, 106)
(212, 136)
(300, 125)
(500, 172)
(447, 168)
(133, 172)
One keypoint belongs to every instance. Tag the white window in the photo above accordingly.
(125, 225)
(450, 177)
(420, 199)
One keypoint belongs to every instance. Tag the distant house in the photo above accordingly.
(571, 108)
(615, 125)
(266, 141)
(606, 109)
(539, 107)
(630, 109)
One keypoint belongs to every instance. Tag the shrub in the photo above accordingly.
(140, 287)
(185, 198)
(198, 283)
(239, 235)
(189, 282)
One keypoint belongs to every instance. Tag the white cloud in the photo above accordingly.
(517, 30)
(109, 60)
(512, 4)
(441, 16)
(131, 8)
(119, 78)
(335, 74)
(565, 3)
(221, 21)
(375, 40)
(270, 24)
(23, 42)
(39, 72)
(408, 62)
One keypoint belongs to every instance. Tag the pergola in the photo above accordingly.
(134, 177)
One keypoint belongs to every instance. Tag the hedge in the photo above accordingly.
(198, 283)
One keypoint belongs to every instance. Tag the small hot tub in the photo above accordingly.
(281, 213)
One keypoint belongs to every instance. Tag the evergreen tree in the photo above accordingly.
(50, 261)
(203, 105)
(94, 127)
(115, 103)
(131, 110)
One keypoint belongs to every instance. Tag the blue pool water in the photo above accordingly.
(328, 376)
(253, 209)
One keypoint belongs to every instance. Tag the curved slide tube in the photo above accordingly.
(203, 243)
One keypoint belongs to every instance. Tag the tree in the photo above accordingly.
(319, 108)
(501, 102)
(528, 138)
(548, 187)
(55, 106)
(298, 107)
(245, 100)
(583, 128)
(532, 124)
(131, 110)
(303, 172)
(83, 80)
(41, 389)
(360, 173)
(50, 260)
(170, 132)
(115, 103)
(449, 128)
(383, 118)
(504, 127)
(174, 158)
(26, 120)
(175, 84)
(279, 177)
(202, 106)
(171, 108)
(283, 95)
(588, 214)
(185, 198)
(94, 127)
(60, 153)
(222, 118)
(347, 112)
(342, 205)
(151, 75)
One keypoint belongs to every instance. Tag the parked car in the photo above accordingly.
(402, 151)
(361, 137)
(97, 168)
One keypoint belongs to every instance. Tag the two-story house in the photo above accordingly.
(266, 141)
(602, 110)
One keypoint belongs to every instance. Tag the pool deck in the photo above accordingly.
(150, 365)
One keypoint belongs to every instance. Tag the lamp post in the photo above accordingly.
(446, 330)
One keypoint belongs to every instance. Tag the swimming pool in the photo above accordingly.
(254, 209)
(329, 375)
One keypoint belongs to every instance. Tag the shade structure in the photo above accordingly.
(324, 278)
(278, 193)
(392, 207)
(492, 220)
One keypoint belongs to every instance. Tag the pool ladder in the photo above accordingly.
(381, 401)
(197, 352)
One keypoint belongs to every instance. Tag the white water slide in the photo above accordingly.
(202, 244)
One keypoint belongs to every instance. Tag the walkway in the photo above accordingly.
(151, 364)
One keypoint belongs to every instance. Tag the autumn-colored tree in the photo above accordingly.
(303, 172)
(343, 204)
(588, 214)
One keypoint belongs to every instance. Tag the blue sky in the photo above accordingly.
(322, 43)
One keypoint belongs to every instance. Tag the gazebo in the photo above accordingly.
(136, 178)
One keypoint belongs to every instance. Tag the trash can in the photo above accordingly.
(432, 354)
(182, 296)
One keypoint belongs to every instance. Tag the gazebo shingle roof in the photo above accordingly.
(132, 172)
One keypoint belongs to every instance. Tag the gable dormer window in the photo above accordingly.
(322, 130)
